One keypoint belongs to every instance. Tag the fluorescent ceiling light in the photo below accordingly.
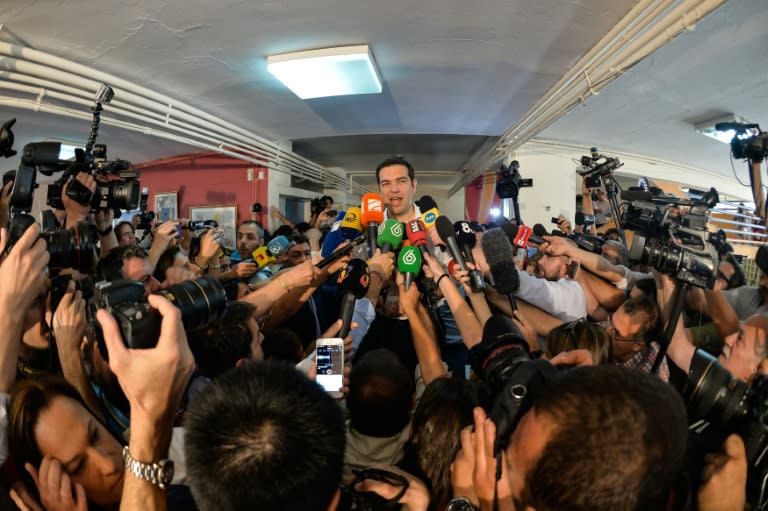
(707, 128)
(327, 72)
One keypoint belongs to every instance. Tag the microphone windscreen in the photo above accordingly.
(429, 211)
(390, 232)
(501, 261)
(278, 245)
(465, 234)
(416, 232)
(262, 257)
(371, 209)
(409, 261)
(354, 278)
(444, 228)
(351, 227)
(540, 230)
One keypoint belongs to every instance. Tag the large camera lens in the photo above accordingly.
(712, 392)
(200, 301)
(73, 248)
(124, 194)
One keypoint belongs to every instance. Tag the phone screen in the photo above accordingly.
(330, 365)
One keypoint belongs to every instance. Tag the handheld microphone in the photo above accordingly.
(340, 253)
(262, 257)
(371, 217)
(501, 260)
(416, 233)
(350, 226)
(539, 230)
(465, 235)
(520, 235)
(429, 212)
(390, 235)
(278, 246)
(333, 238)
(409, 264)
(445, 230)
(353, 282)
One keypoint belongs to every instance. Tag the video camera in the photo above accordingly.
(748, 142)
(596, 166)
(679, 246)
(509, 181)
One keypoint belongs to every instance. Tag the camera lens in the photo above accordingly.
(713, 393)
(124, 194)
(73, 248)
(200, 301)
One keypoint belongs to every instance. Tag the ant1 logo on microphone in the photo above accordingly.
(410, 257)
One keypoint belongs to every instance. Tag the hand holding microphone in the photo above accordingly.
(353, 282)
(501, 260)
(465, 235)
(409, 264)
(447, 234)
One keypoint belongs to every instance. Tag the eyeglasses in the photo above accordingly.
(613, 332)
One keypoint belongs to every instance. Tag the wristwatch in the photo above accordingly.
(461, 504)
(160, 473)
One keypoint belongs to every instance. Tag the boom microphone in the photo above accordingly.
(390, 235)
(353, 282)
(467, 241)
(371, 217)
(445, 230)
(500, 257)
(409, 264)
(429, 212)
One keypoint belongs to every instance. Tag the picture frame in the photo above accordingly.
(166, 206)
(225, 216)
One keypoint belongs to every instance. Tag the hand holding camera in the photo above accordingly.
(22, 272)
(76, 196)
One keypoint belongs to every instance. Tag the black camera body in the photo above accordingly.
(749, 141)
(200, 301)
(509, 181)
(596, 167)
(679, 246)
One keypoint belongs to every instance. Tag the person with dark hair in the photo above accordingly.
(379, 401)
(284, 230)
(128, 262)
(283, 344)
(397, 184)
(125, 234)
(263, 436)
(634, 328)
(580, 334)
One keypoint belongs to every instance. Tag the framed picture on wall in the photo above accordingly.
(225, 216)
(166, 206)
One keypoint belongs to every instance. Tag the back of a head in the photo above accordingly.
(644, 310)
(619, 442)
(110, 266)
(380, 394)
(264, 437)
(219, 345)
(580, 335)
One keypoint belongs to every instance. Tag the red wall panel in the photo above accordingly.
(207, 179)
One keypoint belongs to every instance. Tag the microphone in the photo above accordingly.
(520, 235)
(540, 230)
(500, 257)
(416, 233)
(278, 245)
(445, 230)
(353, 282)
(371, 217)
(262, 257)
(465, 235)
(338, 254)
(429, 212)
(409, 264)
(390, 235)
(351, 227)
(333, 238)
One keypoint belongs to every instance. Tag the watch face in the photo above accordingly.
(461, 504)
(167, 472)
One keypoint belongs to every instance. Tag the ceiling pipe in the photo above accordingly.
(594, 71)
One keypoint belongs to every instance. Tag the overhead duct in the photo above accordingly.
(37, 81)
(649, 25)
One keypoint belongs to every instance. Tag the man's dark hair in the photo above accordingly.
(257, 224)
(283, 230)
(380, 394)
(263, 436)
(644, 310)
(110, 266)
(302, 227)
(618, 442)
(395, 160)
(219, 345)
(121, 225)
(297, 239)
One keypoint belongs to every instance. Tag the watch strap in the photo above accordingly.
(159, 473)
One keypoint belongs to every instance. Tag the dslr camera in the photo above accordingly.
(200, 301)
(596, 167)
(509, 181)
(679, 246)
(748, 142)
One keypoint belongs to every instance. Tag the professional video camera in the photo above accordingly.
(679, 246)
(509, 182)
(749, 142)
(718, 405)
(200, 301)
(116, 186)
(596, 167)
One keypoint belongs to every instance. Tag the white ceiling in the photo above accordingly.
(456, 73)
